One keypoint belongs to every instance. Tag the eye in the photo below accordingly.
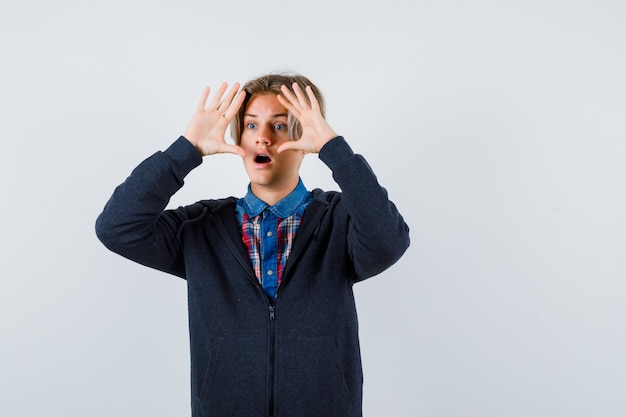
(280, 126)
(251, 125)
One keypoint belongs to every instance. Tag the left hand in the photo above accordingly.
(316, 131)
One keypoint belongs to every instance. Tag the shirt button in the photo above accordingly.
(270, 234)
(270, 272)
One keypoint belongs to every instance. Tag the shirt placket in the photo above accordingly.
(269, 253)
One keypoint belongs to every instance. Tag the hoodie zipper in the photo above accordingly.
(272, 310)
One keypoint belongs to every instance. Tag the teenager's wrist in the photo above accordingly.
(184, 155)
(194, 144)
(335, 151)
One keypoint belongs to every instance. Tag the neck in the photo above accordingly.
(272, 195)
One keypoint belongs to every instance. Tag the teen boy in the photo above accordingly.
(272, 317)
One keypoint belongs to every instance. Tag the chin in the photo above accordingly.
(261, 180)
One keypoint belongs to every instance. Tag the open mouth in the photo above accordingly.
(262, 159)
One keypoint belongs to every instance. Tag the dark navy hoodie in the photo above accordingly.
(297, 355)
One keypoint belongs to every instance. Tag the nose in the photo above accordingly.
(264, 135)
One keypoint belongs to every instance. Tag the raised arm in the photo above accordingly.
(133, 222)
(377, 235)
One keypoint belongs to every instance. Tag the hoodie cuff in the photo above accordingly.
(184, 157)
(336, 151)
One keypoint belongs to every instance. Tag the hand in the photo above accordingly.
(316, 131)
(208, 125)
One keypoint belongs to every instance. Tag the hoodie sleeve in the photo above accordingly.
(377, 233)
(134, 223)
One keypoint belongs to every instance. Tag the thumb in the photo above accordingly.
(234, 149)
(293, 145)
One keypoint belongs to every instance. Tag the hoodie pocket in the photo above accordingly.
(235, 381)
(310, 378)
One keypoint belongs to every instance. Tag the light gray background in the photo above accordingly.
(498, 128)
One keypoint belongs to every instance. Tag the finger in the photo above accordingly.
(235, 106)
(234, 149)
(288, 104)
(215, 103)
(203, 99)
(301, 98)
(229, 97)
(288, 94)
(315, 105)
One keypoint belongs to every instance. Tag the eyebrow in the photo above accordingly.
(273, 116)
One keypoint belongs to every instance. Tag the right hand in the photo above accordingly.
(208, 125)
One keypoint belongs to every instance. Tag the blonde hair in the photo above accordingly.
(270, 84)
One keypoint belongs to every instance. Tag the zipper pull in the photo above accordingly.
(272, 313)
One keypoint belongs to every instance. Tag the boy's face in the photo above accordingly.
(264, 130)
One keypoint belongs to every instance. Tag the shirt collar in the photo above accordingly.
(253, 206)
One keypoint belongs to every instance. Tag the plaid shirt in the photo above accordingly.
(268, 233)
